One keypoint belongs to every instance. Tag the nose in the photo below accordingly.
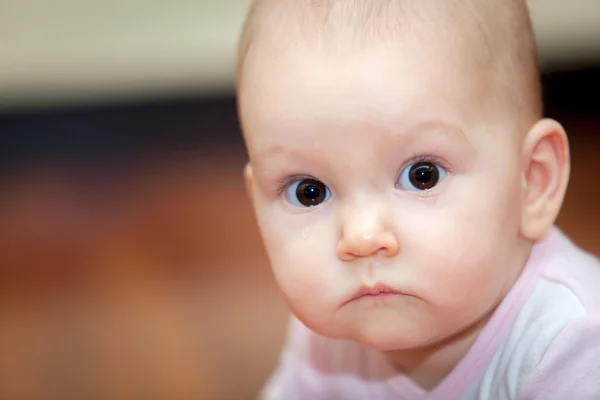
(366, 233)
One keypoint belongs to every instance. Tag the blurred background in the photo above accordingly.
(130, 265)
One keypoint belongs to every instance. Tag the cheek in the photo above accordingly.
(453, 263)
(483, 209)
(465, 244)
(303, 260)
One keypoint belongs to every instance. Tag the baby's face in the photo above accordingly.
(383, 173)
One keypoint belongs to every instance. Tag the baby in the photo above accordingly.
(406, 188)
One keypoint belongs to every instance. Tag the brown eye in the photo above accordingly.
(423, 175)
(307, 193)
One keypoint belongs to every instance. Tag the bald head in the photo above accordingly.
(493, 36)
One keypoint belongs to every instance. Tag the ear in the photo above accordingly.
(545, 177)
(248, 179)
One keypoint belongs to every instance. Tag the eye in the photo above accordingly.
(307, 193)
(423, 175)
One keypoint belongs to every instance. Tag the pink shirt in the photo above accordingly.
(543, 342)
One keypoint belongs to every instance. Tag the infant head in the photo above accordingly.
(399, 169)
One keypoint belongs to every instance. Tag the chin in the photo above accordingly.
(385, 339)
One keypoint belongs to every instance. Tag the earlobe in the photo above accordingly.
(248, 180)
(546, 176)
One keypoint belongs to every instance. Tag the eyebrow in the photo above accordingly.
(272, 152)
(433, 127)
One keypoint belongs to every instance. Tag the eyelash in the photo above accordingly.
(283, 184)
(430, 159)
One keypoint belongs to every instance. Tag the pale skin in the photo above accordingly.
(356, 127)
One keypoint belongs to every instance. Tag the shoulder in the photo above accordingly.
(545, 315)
(565, 294)
(574, 269)
(560, 335)
(570, 365)
(563, 304)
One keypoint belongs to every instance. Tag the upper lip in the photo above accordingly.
(374, 291)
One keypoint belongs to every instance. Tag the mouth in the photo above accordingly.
(378, 291)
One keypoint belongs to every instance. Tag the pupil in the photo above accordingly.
(424, 175)
(311, 192)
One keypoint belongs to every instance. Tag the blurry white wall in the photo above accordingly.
(73, 51)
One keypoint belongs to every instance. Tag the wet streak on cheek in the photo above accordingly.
(297, 243)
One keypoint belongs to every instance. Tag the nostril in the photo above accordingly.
(383, 251)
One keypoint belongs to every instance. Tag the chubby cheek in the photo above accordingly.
(303, 261)
(465, 251)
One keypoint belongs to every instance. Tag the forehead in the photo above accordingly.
(386, 85)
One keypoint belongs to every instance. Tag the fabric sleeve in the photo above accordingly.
(570, 368)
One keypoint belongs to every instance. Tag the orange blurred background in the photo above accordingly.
(130, 263)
